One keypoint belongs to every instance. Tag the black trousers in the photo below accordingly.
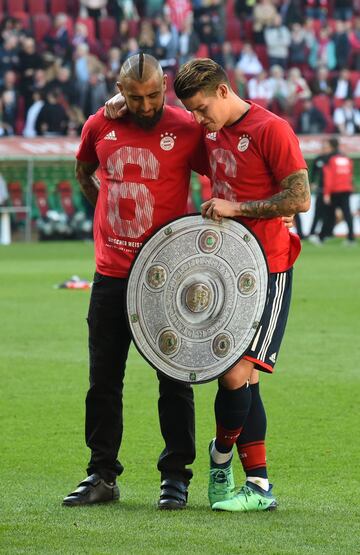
(342, 201)
(109, 342)
(319, 212)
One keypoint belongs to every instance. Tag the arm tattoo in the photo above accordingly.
(89, 183)
(293, 198)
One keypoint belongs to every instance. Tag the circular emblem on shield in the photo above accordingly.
(209, 240)
(247, 283)
(197, 297)
(243, 144)
(167, 142)
(222, 344)
(156, 276)
(196, 293)
(168, 342)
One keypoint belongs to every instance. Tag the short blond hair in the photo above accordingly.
(197, 75)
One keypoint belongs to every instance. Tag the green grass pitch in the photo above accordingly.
(312, 405)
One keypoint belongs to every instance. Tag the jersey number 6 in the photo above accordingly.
(138, 192)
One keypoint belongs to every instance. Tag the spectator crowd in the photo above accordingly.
(59, 59)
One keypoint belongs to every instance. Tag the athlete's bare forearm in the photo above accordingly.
(292, 199)
(89, 183)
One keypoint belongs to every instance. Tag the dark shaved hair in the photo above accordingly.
(201, 74)
(140, 67)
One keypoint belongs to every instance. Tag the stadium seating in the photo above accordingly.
(261, 52)
(15, 6)
(16, 199)
(236, 47)
(202, 52)
(232, 78)
(41, 198)
(107, 31)
(58, 6)
(317, 24)
(338, 102)
(133, 28)
(354, 78)
(36, 6)
(229, 9)
(248, 30)
(41, 26)
(65, 196)
(233, 30)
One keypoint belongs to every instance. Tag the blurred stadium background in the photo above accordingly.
(59, 61)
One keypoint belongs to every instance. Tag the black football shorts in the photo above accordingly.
(264, 349)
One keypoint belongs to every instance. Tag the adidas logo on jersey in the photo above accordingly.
(110, 136)
(211, 136)
(273, 358)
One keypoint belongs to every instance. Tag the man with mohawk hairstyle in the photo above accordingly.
(143, 163)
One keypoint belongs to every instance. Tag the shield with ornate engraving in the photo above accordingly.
(196, 293)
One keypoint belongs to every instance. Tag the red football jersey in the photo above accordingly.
(144, 180)
(248, 160)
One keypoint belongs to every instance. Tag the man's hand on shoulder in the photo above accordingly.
(115, 107)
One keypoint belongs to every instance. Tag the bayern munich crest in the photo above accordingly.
(167, 141)
(195, 297)
(243, 143)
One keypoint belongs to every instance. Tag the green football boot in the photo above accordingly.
(221, 481)
(249, 498)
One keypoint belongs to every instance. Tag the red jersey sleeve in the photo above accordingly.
(199, 161)
(282, 150)
(87, 148)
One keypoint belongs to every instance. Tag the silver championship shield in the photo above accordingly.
(195, 296)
